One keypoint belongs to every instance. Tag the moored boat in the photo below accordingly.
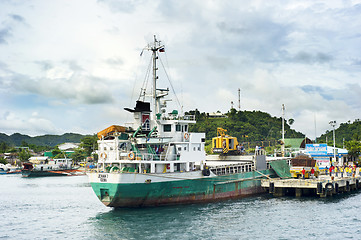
(9, 169)
(45, 167)
(157, 161)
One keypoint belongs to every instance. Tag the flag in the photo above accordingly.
(162, 49)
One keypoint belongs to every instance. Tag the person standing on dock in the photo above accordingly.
(341, 170)
(312, 173)
(303, 173)
(326, 170)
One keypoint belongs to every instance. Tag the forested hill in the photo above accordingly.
(17, 139)
(345, 131)
(247, 126)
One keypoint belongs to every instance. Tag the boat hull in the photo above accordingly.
(10, 172)
(68, 172)
(195, 190)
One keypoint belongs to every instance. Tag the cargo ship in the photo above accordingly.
(157, 161)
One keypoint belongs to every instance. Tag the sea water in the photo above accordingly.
(67, 208)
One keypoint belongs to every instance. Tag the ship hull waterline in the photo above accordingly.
(202, 190)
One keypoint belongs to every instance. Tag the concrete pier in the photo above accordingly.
(323, 186)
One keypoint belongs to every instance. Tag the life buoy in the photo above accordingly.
(329, 187)
(131, 155)
(186, 136)
(103, 155)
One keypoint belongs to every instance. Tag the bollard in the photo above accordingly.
(347, 186)
(319, 188)
(336, 187)
(271, 187)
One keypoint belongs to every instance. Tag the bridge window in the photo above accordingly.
(178, 128)
(167, 128)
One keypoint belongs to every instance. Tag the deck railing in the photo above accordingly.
(151, 157)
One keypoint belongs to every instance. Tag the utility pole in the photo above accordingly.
(333, 124)
(315, 128)
(239, 99)
(283, 131)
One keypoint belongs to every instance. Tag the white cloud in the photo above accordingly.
(58, 59)
(27, 123)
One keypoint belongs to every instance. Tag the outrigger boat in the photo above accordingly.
(157, 161)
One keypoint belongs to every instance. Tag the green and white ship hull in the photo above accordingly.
(138, 190)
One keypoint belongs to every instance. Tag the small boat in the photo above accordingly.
(45, 167)
(9, 169)
(157, 161)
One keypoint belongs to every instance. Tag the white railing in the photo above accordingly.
(150, 157)
(185, 117)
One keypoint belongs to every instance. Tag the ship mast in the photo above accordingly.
(156, 99)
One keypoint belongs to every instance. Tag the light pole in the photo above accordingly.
(283, 131)
(333, 124)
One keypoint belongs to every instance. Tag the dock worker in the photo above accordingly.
(303, 173)
(341, 170)
(312, 173)
(346, 170)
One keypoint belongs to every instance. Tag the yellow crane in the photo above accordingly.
(224, 144)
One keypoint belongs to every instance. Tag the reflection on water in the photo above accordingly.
(66, 207)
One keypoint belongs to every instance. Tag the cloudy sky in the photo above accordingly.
(72, 66)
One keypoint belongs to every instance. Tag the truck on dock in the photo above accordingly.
(303, 162)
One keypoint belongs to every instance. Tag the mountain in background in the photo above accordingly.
(46, 140)
(345, 132)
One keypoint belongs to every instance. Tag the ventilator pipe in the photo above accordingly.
(152, 131)
(136, 132)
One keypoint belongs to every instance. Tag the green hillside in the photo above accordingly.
(17, 139)
(247, 126)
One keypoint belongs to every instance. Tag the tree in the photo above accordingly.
(3, 160)
(354, 148)
(56, 151)
(89, 143)
(78, 155)
(3, 147)
(12, 150)
(24, 155)
(24, 144)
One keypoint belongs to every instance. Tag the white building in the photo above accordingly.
(68, 146)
